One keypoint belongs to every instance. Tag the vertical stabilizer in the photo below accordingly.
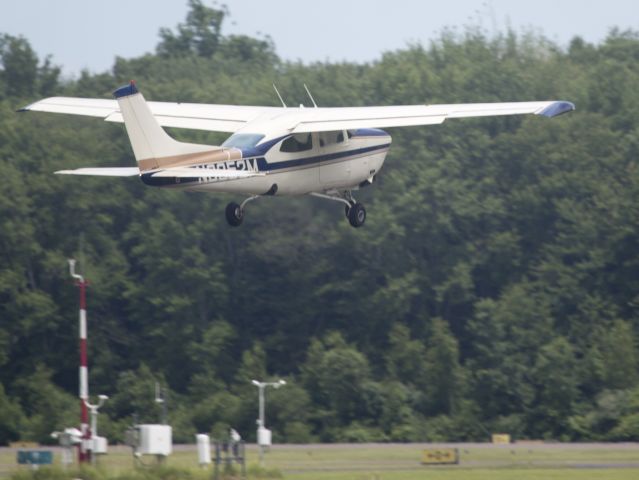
(152, 146)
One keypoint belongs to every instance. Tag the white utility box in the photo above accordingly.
(203, 449)
(155, 439)
(100, 445)
(264, 437)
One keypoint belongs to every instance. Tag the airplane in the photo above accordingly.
(324, 152)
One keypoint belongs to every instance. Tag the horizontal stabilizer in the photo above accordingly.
(102, 172)
(185, 172)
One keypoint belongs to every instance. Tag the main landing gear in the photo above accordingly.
(235, 212)
(354, 211)
(356, 214)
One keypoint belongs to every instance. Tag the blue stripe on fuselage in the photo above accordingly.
(263, 165)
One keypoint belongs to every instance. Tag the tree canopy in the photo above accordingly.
(493, 288)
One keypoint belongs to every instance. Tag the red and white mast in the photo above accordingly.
(84, 451)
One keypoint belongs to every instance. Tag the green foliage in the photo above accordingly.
(46, 406)
(20, 75)
(199, 35)
(493, 288)
(11, 418)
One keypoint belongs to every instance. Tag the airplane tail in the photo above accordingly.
(152, 146)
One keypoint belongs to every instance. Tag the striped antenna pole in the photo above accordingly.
(84, 450)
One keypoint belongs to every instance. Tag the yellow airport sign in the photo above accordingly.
(440, 456)
(501, 438)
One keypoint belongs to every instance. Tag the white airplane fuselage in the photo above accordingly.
(325, 161)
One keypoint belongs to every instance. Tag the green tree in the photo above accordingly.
(11, 419)
(46, 406)
(200, 35)
(442, 371)
(19, 66)
(619, 354)
(336, 373)
(555, 379)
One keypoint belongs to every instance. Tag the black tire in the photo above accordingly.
(234, 214)
(347, 208)
(357, 215)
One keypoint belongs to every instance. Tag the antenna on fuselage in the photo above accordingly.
(310, 96)
(279, 96)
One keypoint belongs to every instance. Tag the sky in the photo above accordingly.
(89, 34)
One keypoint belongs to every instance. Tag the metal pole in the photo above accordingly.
(261, 422)
(94, 421)
(262, 419)
(84, 455)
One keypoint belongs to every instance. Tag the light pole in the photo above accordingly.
(94, 421)
(84, 455)
(263, 435)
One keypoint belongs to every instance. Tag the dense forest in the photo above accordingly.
(494, 287)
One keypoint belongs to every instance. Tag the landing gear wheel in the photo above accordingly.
(234, 214)
(347, 208)
(357, 215)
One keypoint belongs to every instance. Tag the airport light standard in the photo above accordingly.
(84, 453)
(263, 434)
(94, 421)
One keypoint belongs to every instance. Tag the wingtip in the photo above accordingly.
(126, 90)
(557, 108)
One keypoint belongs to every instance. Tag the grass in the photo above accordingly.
(377, 462)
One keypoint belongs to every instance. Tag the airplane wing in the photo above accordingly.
(217, 118)
(103, 172)
(186, 172)
(330, 119)
(230, 118)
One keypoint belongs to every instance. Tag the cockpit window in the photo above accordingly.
(243, 140)
(297, 143)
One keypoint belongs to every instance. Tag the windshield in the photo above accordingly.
(243, 140)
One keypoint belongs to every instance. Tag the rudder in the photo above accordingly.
(152, 146)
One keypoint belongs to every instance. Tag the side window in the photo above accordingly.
(297, 143)
(330, 138)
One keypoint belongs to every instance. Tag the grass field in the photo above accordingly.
(402, 461)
